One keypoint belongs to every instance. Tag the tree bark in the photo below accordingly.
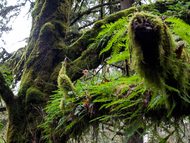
(125, 4)
(49, 27)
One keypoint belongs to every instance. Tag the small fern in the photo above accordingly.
(118, 39)
(180, 28)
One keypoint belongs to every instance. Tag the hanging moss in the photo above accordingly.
(154, 58)
(65, 86)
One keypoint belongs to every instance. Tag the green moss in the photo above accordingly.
(164, 71)
(61, 27)
(37, 8)
(60, 46)
(65, 86)
(137, 54)
(10, 138)
(35, 30)
(29, 62)
(33, 96)
(47, 28)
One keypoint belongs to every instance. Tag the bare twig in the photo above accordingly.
(2, 109)
(89, 11)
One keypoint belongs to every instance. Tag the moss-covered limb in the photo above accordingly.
(5, 92)
(4, 55)
(154, 49)
(89, 59)
(76, 49)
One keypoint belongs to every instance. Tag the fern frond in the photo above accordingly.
(180, 28)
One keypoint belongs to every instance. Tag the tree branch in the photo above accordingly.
(2, 109)
(78, 52)
(80, 14)
(5, 92)
(81, 5)
(86, 25)
(75, 50)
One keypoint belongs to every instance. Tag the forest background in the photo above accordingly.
(110, 88)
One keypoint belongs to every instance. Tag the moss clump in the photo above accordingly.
(154, 58)
(37, 8)
(47, 28)
(60, 27)
(65, 86)
(150, 51)
(33, 96)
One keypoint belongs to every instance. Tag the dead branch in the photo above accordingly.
(2, 109)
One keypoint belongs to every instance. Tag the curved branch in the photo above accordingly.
(6, 10)
(4, 55)
(78, 51)
(81, 5)
(86, 25)
(80, 14)
(5, 92)
(2, 109)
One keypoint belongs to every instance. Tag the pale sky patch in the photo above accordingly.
(21, 30)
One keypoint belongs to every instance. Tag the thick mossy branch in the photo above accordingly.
(76, 52)
(88, 60)
(5, 92)
(82, 43)
(41, 57)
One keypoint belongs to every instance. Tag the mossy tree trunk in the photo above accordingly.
(44, 52)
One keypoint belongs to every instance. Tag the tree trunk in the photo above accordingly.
(42, 58)
(125, 4)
